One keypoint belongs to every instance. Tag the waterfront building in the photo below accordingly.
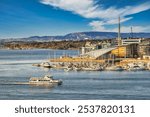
(146, 57)
(131, 41)
(144, 48)
(89, 46)
(119, 51)
(123, 48)
(126, 51)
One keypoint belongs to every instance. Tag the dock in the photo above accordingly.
(77, 59)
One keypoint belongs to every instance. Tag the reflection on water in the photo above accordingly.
(16, 66)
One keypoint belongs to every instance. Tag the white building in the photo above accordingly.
(131, 41)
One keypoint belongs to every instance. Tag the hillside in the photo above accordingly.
(81, 36)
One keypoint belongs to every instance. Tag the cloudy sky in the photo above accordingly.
(24, 18)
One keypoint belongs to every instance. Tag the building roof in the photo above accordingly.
(99, 52)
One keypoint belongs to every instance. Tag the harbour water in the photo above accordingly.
(16, 65)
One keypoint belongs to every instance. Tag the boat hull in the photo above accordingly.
(58, 82)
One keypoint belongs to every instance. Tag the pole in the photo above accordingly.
(119, 37)
(131, 33)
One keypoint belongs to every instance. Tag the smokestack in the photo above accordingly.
(131, 33)
(119, 37)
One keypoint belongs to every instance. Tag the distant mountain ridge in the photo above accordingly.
(82, 36)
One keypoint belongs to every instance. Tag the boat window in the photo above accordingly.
(33, 80)
(43, 80)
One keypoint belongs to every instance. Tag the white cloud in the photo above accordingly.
(100, 26)
(90, 9)
(134, 28)
(97, 25)
(115, 20)
(137, 9)
(81, 7)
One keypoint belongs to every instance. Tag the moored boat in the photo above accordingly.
(43, 64)
(91, 69)
(46, 65)
(114, 68)
(136, 68)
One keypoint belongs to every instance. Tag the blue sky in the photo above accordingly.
(24, 18)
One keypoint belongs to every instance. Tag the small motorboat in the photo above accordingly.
(114, 68)
(136, 68)
(46, 65)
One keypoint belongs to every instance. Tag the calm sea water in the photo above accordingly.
(16, 65)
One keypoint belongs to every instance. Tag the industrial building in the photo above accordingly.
(125, 48)
(131, 41)
(144, 48)
(111, 50)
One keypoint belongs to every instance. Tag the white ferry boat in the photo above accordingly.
(45, 80)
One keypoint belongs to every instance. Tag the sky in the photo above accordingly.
(24, 18)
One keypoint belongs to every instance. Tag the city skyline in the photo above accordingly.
(24, 18)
